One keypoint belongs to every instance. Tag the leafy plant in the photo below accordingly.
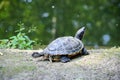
(3, 43)
(20, 41)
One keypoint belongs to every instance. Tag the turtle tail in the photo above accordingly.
(37, 54)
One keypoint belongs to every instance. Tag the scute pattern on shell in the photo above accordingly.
(64, 46)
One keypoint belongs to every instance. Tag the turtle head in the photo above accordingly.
(79, 34)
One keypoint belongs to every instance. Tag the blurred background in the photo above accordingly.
(45, 20)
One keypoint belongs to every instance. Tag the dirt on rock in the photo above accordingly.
(101, 64)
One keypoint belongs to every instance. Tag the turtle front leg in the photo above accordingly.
(64, 59)
(85, 52)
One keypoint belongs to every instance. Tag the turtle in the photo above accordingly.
(63, 48)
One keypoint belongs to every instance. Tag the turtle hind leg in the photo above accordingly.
(37, 54)
(64, 59)
(50, 58)
(85, 52)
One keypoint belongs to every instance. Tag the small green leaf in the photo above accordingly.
(21, 40)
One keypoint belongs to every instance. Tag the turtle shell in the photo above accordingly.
(64, 46)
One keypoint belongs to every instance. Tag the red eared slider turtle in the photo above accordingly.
(63, 48)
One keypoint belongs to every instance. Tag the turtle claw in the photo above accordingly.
(64, 59)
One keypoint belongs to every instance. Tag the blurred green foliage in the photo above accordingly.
(20, 41)
(53, 18)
